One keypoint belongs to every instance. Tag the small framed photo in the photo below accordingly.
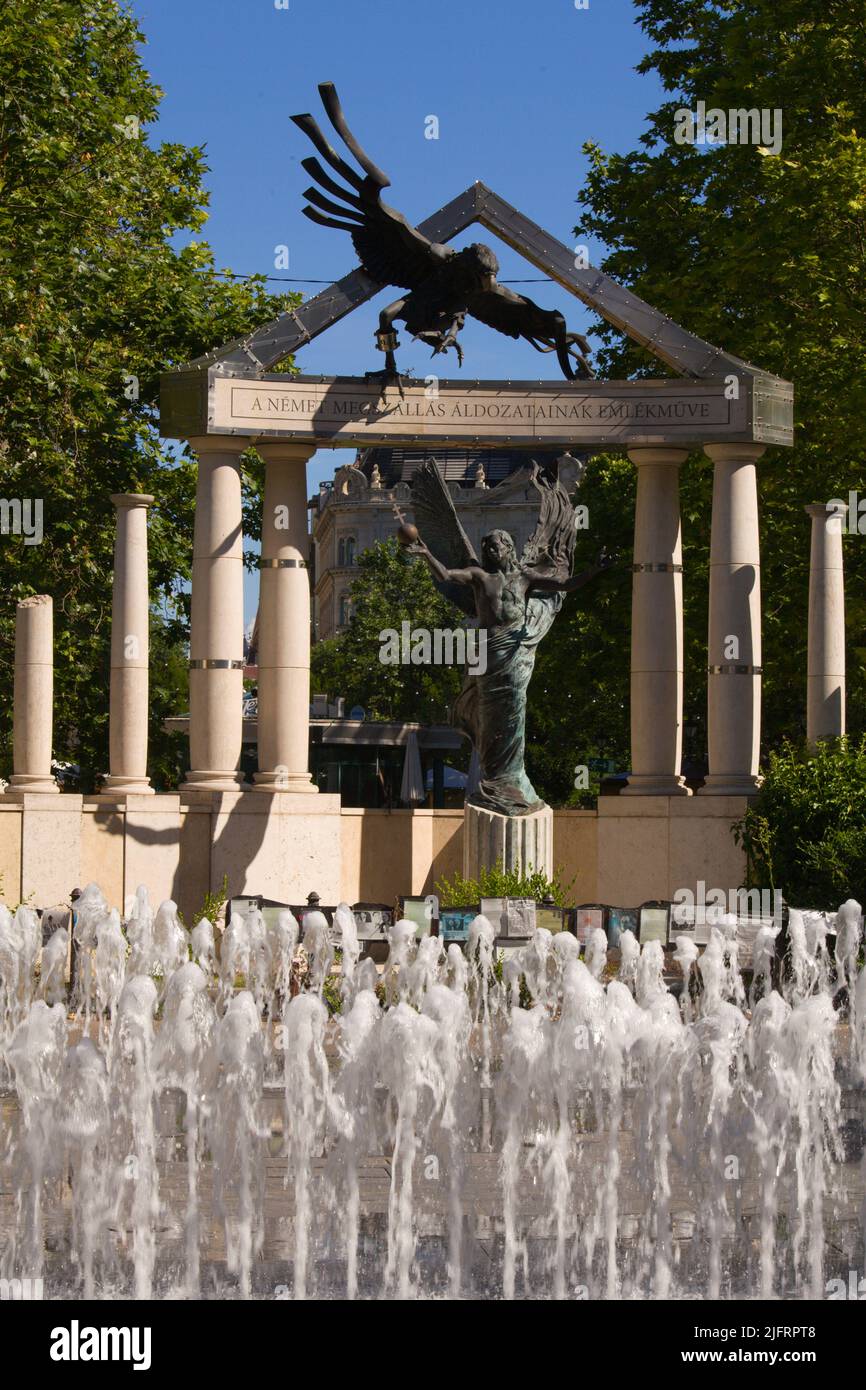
(373, 921)
(52, 919)
(620, 919)
(271, 911)
(454, 922)
(239, 907)
(587, 918)
(303, 911)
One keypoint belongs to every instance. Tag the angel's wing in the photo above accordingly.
(440, 530)
(390, 249)
(550, 548)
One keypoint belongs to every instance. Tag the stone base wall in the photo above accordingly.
(627, 852)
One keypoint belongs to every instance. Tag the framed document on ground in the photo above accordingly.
(495, 910)
(691, 922)
(654, 923)
(419, 911)
(552, 919)
(520, 918)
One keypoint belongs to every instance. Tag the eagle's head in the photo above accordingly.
(481, 262)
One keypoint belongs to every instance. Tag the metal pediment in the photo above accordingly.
(187, 392)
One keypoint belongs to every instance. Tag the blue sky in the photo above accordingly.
(517, 88)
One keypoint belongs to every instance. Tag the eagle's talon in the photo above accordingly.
(389, 376)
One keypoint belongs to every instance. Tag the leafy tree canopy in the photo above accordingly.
(764, 255)
(392, 588)
(104, 283)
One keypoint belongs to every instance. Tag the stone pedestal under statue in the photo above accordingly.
(517, 842)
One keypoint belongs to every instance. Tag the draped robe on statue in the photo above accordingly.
(491, 709)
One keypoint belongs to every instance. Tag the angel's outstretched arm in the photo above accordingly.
(445, 576)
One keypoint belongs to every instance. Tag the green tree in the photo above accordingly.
(103, 285)
(392, 587)
(766, 256)
(577, 707)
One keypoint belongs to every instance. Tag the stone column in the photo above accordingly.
(130, 646)
(825, 699)
(284, 623)
(217, 619)
(657, 627)
(734, 644)
(33, 697)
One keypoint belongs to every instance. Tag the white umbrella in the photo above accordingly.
(412, 786)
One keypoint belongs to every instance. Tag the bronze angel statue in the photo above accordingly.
(443, 284)
(515, 602)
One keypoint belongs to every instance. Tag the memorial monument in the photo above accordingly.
(277, 834)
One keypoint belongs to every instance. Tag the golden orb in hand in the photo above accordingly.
(407, 534)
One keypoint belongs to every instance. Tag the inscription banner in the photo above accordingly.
(350, 411)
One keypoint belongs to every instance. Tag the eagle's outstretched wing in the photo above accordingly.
(390, 249)
(550, 548)
(440, 530)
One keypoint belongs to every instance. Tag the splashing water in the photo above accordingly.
(188, 1116)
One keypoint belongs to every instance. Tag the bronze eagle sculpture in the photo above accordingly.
(443, 284)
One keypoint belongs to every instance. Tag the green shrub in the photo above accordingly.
(805, 833)
(496, 882)
(211, 907)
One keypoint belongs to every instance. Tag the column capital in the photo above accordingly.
(735, 453)
(831, 511)
(284, 450)
(123, 500)
(654, 455)
(235, 444)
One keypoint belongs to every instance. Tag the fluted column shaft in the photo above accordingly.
(284, 623)
(657, 627)
(33, 700)
(734, 639)
(825, 698)
(130, 649)
(217, 619)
